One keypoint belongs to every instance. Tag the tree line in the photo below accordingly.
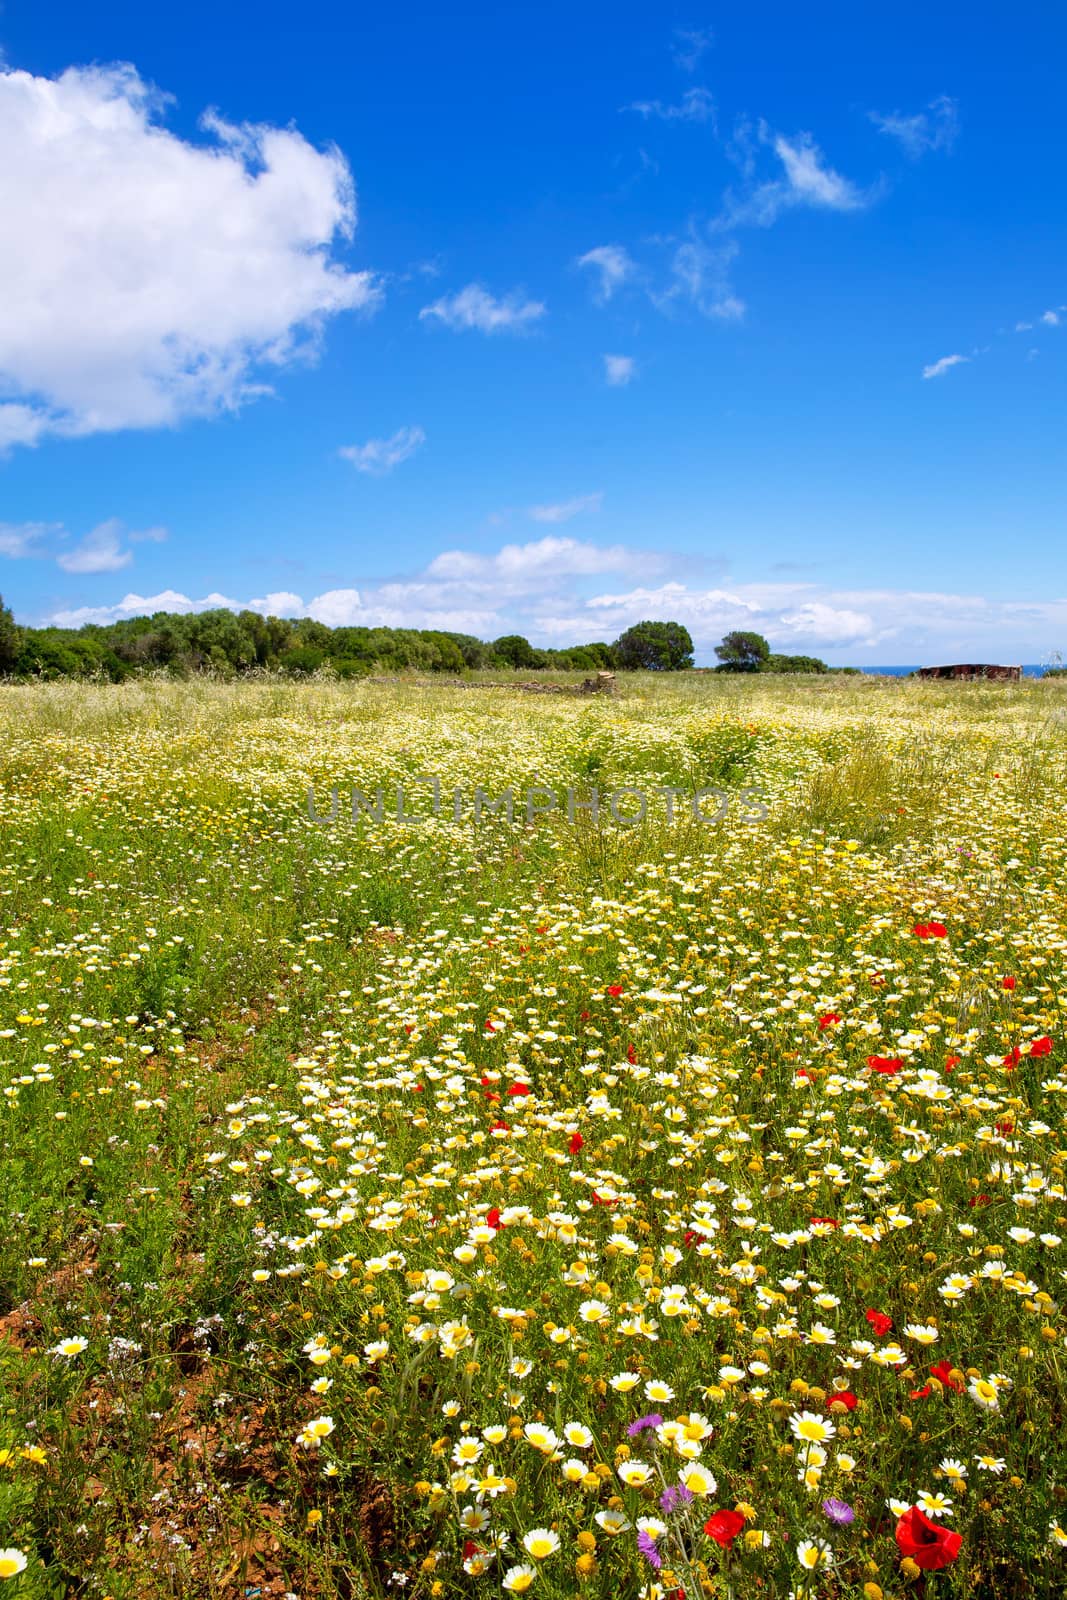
(236, 642)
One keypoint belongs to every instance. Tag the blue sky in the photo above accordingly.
(545, 318)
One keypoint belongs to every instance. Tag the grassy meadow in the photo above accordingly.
(455, 1207)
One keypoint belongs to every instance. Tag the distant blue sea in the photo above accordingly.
(902, 672)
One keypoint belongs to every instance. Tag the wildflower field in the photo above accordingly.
(456, 1206)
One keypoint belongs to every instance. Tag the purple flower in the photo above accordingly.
(653, 1420)
(838, 1511)
(647, 1546)
(675, 1495)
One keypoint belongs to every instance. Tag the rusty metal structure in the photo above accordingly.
(968, 672)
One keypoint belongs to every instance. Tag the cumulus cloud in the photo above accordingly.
(379, 456)
(619, 370)
(696, 105)
(146, 278)
(613, 266)
(937, 369)
(564, 510)
(933, 129)
(552, 589)
(474, 307)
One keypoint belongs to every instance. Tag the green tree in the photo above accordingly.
(515, 651)
(654, 647)
(743, 652)
(10, 639)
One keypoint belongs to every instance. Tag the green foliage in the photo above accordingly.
(654, 647)
(743, 652)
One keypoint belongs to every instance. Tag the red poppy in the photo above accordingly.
(1041, 1047)
(879, 1322)
(492, 1217)
(928, 1545)
(930, 930)
(804, 1075)
(826, 1222)
(584, 1017)
(1005, 1127)
(517, 1089)
(888, 1066)
(943, 1373)
(416, 1088)
(828, 1020)
(597, 1201)
(409, 1027)
(1008, 983)
(951, 1062)
(631, 1055)
(615, 989)
(1013, 1057)
(978, 1200)
(691, 1238)
(576, 1143)
(470, 1549)
(489, 1025)
(499, 1123)
(724, 1526)
(524, 949)
(920, 1394)
(843, 1397)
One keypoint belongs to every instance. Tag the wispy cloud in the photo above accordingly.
(101, 550)
(20, 540)
(619, 370)
(564, 510)
(696, 105)
(806, 179)
(699, 276)
(935, 128)
(1051, 318)
(474, 307)
(937, 369)
(379, 456)
(689, 45)
(613, 265)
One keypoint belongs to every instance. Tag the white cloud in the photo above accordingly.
(619, 370)
(100, 551)
(379, 456)
(932, 129)
(474, 307)
(546, 589)
(699, 276)
(807, 180)
(19, 540)
(810, 180)
(564, 510)
(614, 266)
(1051, 318)
(145, 278)
(937, 369)
(696, 105)
(138, 605)
(689, 44)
